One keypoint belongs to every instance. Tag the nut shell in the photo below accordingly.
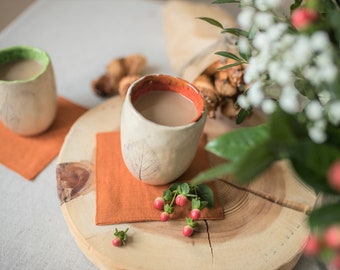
(125, 83)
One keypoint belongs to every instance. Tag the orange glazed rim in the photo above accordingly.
(162, 82)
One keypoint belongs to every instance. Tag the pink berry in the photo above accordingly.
(303, 17)
(335, 263)
(187, 231)
(333, 175)
(312, 246)
(117, 242)
(165, 216)
(195, 214)
(158, 203)
(181, 200)
(332, 236)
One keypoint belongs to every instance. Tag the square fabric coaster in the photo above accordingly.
(28, 156)
(121, 198)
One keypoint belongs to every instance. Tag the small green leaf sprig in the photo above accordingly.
(179, 194)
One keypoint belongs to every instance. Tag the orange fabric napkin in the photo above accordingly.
(121, 198)
(28, 156)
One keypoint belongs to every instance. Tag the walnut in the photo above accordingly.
(235, 74)
(134, 64)
(110, 84)
(125, 83)
(229, 108)
(104, 86)
(211, 96)
(221, 87)
(116, 68)
(213, 68)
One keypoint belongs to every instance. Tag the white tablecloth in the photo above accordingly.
(81, 36)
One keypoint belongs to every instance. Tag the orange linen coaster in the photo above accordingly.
(28, 156)
(121, 198)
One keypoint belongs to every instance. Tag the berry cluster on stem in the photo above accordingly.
(179, 194)
(325, 245)
(119, 238)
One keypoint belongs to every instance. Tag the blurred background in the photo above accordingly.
(9, 9)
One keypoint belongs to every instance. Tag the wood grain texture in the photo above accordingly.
(73, 179)
(264, 226)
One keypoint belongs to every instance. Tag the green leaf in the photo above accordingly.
(279, 127)
(295, 5)
(211, 21)
(338, 3)
(231, 65)
(225, 1)
(206, 194)
(249, 151)
(236, 31)
(335, 87)
(229, 55)
(284, 128)
(212, 173)
(321, 6)
(168, 209)
(242, 115)
(311, 161)
(185, 188)
(306, 89)
(254, 162)
(325, 216)
(245, 56)
(167, 195)
(333, 135)
(190, 222)
(203, 204)
(252, 32)
(236, 143)
(195, 204)
(174, 186)
(333, 17)
(122, 235)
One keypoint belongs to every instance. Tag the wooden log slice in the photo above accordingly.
(264, 226)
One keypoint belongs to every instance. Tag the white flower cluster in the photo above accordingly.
(279, 59)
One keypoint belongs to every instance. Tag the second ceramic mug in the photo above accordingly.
(158, 153)
(28, 98)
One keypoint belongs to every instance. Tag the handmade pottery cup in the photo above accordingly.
(157, 151)
(28, 98)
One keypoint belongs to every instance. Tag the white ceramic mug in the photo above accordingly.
(28, 102)
(155, 153)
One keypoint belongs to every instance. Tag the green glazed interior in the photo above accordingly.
(24, 52)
